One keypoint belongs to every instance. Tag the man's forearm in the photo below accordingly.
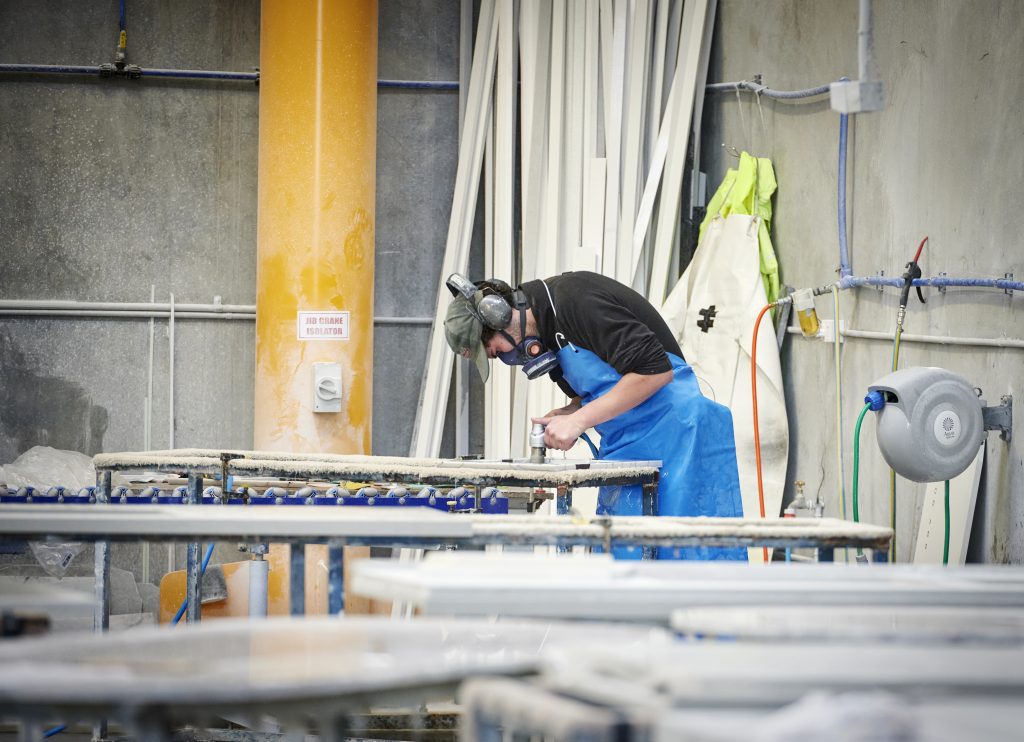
(631, 390)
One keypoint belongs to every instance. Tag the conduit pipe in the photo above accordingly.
(844, 253)
(170, 374)
(1008, 343)
(125, 314)
(762, 90)
(72, 69)
(105, 71)
(865, 42)
(59, 304)
(418, 84)
(129, 310)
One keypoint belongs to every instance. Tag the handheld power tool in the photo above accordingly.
(538, 451)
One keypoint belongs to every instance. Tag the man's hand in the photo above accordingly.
(561, 430)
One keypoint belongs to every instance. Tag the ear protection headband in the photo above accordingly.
(491, 309)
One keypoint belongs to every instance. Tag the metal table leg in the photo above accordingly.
(563, 499)
(650, 507)
(335, 579)
(193, 577)
(297, 582)
(563, 504)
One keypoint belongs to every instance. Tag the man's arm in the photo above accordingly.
(631, 390)
(573, 405)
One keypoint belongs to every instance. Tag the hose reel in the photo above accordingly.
(931, 422)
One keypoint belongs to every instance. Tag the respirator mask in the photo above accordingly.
(531, 354)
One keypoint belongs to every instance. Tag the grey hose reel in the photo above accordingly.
(932, 422)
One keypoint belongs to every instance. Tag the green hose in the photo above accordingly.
(856, 462)
(945, 541)
(856, 473)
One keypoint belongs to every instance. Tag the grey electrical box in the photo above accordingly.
(856, 96)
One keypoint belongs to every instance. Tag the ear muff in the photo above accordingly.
(495, 312)
(486, 300)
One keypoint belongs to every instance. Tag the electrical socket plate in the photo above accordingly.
(827, 330)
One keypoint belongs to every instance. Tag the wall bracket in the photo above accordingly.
(1000, 417)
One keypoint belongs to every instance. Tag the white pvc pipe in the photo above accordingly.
(259, 569)
(148, 443)
(170, 374)
(865, 42)
(15, 304)
(936, 339)
(48, 309)
(127, 314)
(1011, 343)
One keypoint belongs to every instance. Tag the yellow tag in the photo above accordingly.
(124, 40)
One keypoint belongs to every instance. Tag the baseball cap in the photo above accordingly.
(463, 330)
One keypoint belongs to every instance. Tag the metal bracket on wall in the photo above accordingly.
(782, 319)
(1008, 277)
(1000, 417)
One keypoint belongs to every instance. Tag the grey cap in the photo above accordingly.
(463, 330)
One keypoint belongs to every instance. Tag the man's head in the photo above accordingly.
(471, 324)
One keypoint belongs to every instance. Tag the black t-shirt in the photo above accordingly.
(611, 320)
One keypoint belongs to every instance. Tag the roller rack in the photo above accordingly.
(395, 527)
(201, 464)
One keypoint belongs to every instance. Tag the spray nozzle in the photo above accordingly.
(912, 271)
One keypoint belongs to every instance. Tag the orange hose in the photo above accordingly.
(753, 397)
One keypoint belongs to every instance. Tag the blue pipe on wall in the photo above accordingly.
(417, 84)
(65, 69)
(844, 252)
(849, 282)
(51, 69)
(202, 75)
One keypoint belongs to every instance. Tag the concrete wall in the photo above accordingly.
(110, 186)
(944, 159)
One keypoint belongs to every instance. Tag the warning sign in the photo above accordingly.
(323, 325)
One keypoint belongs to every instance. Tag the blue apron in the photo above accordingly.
(689, 433)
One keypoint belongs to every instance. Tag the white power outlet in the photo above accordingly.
(827, 330)
(326, 387)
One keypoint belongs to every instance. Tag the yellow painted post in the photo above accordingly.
(315, 226)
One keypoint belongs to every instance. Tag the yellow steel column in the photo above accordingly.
(317, 171)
